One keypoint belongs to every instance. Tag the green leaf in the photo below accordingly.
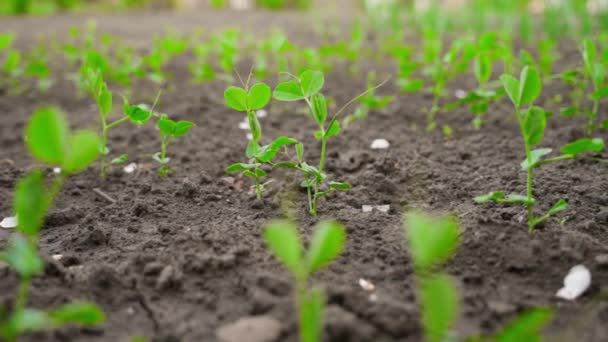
(517, 199)
(526, 327)
(287, 165)
(333, 129)
(589, 54)
(236, 98)
(311, 315)
(300, 151)
(283, 240)
(600, 93)
(254, 125)
(6, 40)
(530, 86)
(83, 314)
(311, 82)
(535, 121)
(410, 86)
(339, 186)
(23, 257)
(535, 155)
(123, 158)
(483, 68)
(439, 301)
(259, 96)
(560, 205)
(47, 135)
(252, 149)
(30, 203)
(240, 167)
(83, 150)
(583, 145)
(326, 244)
(288, 91)
(105, 100)
(490, 197)
(24, 321)
(511, 85)
(182, 128)
(166, 125)
(319, 108)
(431, 240)
(139, 114)
(249, 173)
(569, 111)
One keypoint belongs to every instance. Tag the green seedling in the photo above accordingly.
(307, 87)
(326, 245)
(138, 115)
(249, 100)
(532, 122)
(407, 67)
(164, 50)
(368, 102)
(201, 69)
(37, 67)
(169, 130)
(50, 141)
(433, 241)
(10, 62)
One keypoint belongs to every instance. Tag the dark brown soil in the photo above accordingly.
(174, 259)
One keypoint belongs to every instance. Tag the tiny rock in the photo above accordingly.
(460, 94)
(130, 168)
(576, 282)
(57, 257)
(244, 125)
(9, 222)
(380, 144)
(381, 208)
(602, 259)
(251, 329)
(262, 113)
(56, 170)
(249, 136)
(366, 285)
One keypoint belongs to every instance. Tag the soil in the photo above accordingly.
(175, 259)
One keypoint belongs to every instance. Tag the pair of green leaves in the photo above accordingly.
(569, 151)
(33, 320)
(241, 100)
(49, 140)
(306, 85)
(283, 240)
(172, 128)
(525, 90)
(502, 197)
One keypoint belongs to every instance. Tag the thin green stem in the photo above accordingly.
(22, 294)
(593, 116)
(323, 152)
(117, 123)
(530, 176)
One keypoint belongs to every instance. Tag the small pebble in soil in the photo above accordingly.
(9, 222)
(380, 144)
(251, 329)
(130, 168)
(460, 94)
(576, 282)
(262, 113)
(381, 208)
(602, 260)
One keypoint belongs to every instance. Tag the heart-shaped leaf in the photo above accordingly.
(583, 145)
(47, 135)
(236, 98)
(288, 91)
(258, 97)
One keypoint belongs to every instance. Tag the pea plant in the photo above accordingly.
(249, 100)
(368, 102)
(138, 115)
(50, 141)
(169, 130)
(326, 245)
(432, 241)
(532, 121)
(308, 87)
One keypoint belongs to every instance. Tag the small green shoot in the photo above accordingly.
(249, 100)
(368, 102)
(169, 130)
(50, 141)
(326, 245)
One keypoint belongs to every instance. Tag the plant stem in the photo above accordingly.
(258, 186)
(323, 152)
(593, 116)
(22, 294)
(529, 180)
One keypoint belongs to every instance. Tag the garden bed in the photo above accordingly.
(175, 259)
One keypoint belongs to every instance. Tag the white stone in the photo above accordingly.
(576, 282)
(57, 257)
(381, 208)
(130, 168)
(56, 170)
(380, 144)
(262, 113)
(250, 329)
(460, 94)
(9, 222)
(366, 285)
(249, 136)
(244, 125)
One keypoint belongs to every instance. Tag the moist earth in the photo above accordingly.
(182, 258)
